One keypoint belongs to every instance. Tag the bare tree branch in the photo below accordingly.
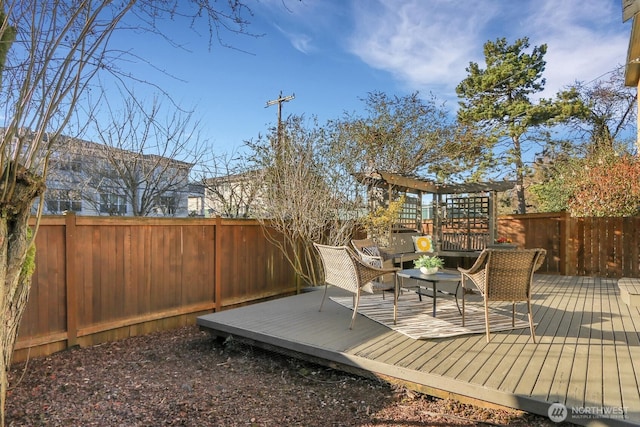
(308, 195)
(145, 156)
(233, 188)
(50, 52)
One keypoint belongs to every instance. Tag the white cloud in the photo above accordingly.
(428, 44)
(585, 40)
(305, 24)
(422, 43)
(300, 41)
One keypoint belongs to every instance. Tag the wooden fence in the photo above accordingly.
(104, 278)
(600, 247)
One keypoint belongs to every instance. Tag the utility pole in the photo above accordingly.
(279, 101)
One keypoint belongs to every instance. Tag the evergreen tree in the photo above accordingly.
(499, 100)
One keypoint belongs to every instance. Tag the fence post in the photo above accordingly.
(217, 273)
(568, 251)
(70, 279)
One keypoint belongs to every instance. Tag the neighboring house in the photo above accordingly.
(94, 179)
(196, 200)
(230, 196)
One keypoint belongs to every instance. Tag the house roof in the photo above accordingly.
(408, 183)
(71, 145)
(249, 175)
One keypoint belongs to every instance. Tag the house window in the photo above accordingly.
(113, 204)
(67, 164)
(59, 201)
(70, 165)
(167, 205)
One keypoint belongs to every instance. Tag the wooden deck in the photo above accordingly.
(587, 356)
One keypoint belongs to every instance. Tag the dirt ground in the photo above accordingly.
(187, 378)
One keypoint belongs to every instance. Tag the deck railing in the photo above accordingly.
(473, 241)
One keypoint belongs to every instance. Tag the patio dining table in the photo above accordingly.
(433, 280)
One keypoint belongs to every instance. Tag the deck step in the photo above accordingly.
(630, 291)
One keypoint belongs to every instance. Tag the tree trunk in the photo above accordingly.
(522, 203)
(17, 263)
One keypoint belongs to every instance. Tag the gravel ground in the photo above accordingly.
(187, 378)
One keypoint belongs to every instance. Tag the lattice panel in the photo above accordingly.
(468, 213)
(409, 215)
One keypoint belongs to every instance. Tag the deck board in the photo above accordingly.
(587, 354)
(514, 376)
(567, 360)
(612, 393)
(551, 357)
(509, 362)
(400, 352)
(521, 377)
(450, 365)
(624, 340)
(575, 388)
(593, 382)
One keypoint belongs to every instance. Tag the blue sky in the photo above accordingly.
(331, 53)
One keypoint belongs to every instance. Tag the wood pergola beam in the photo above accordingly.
(382, 179)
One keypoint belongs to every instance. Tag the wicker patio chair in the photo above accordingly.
(371, 254)
(368, 251)
(344, 269)
(504, 275)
